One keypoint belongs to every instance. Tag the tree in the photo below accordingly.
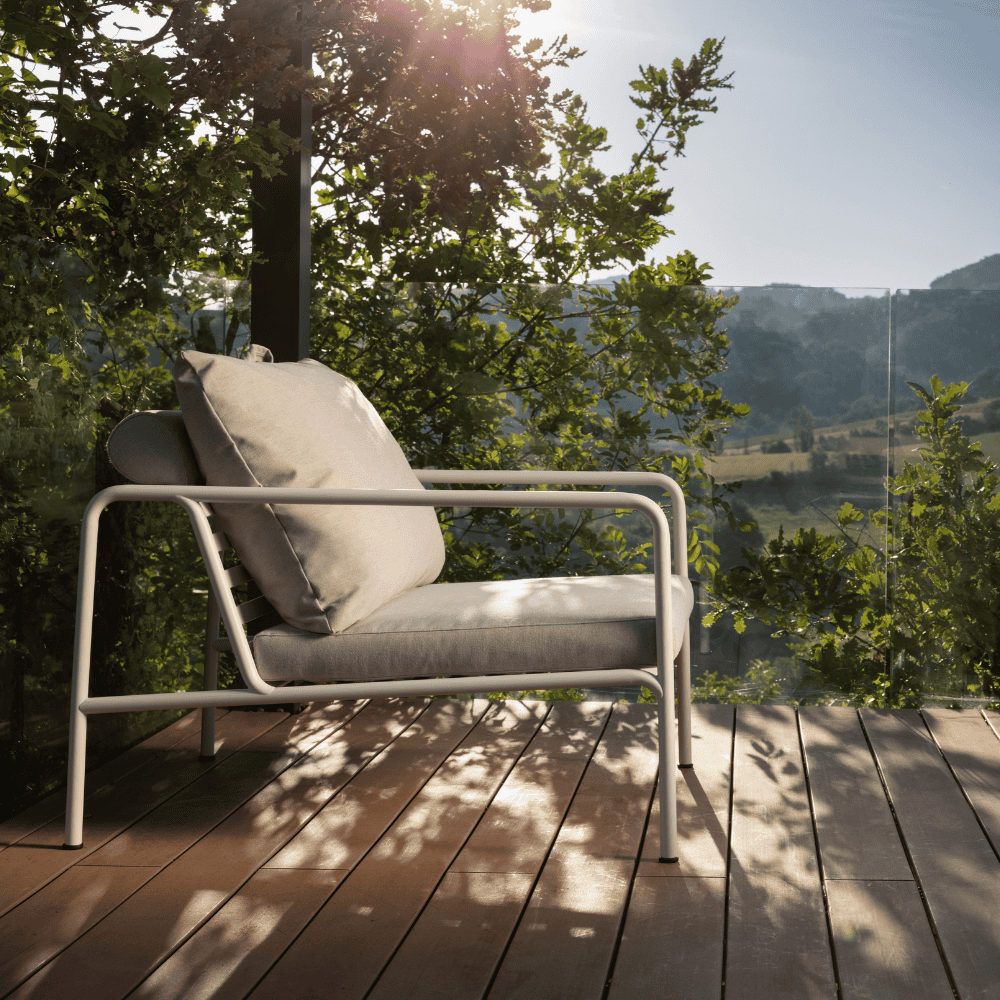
(463, 206)
(801, 421)
(471, 332)
(135, 156)
(934, 621)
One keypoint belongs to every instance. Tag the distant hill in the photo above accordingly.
(985, 275)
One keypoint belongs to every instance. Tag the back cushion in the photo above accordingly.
(301, 425)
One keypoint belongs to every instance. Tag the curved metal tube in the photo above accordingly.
(190, 497)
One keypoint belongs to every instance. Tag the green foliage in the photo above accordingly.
(764, 683)
(548, 694)
(462, 208)
(134, 156)
(471, 332)
(56, 410)
(901, 603)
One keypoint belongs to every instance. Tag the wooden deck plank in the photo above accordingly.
(857, 834)
(672, 939)
(35, 860)
(346, 946)
(564, 943)
(778, 944)
(54, 917)
(158, 918)
(703, 794)
(224, 917)
(778, 947)
(234, 950)
(671, 948)
(169, 830)
(152, 749)
(570, 730)
(955, 865)
(884, 944)
(211, 963)
(517, 831)
(345, 829)
(972, 749)
(454, 947)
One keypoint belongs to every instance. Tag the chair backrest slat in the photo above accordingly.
(236, 575)
(252, 609)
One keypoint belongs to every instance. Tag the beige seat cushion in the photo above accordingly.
(512, 626)
(301, 425)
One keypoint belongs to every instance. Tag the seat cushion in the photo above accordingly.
(511, 626)
(301, 425)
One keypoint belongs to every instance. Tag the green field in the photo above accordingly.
(770, 518)
(728, 468)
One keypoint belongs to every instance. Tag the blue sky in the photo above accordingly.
(858, 148)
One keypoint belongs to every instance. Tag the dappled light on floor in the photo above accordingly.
(473, 849)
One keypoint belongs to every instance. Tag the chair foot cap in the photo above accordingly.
(684, 767)
(668, 861)
(206, 758)
(72, 847)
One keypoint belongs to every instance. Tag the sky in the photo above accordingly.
(858, 148)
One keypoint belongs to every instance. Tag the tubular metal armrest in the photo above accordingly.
(543, 477)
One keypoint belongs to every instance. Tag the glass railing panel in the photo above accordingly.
(954, 334)
(812, 364)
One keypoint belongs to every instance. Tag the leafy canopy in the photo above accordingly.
(470, 329)
(134, 156)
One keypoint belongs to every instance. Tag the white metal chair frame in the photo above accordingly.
(195, 500)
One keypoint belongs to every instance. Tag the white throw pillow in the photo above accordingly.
(301, 425)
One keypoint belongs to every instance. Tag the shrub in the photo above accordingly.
(898, 602)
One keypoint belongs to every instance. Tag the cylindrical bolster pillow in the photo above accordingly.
(152, 447)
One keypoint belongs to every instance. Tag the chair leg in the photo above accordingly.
(77, 776)
(208, 714)
(668, 780)
(684, 700)
(211, 681)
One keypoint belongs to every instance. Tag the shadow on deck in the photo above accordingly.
(465, 849)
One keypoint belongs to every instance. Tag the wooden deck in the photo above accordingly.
(459, 849)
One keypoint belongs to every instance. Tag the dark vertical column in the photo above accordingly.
(279, 287)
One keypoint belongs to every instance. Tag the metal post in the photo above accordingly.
(666, 710)
(280, 213)
(890, 472)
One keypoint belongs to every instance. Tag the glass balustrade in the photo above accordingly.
(824, 371)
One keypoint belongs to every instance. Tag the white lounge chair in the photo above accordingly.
(339, 534)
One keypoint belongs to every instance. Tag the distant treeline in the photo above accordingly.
(818, 348)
